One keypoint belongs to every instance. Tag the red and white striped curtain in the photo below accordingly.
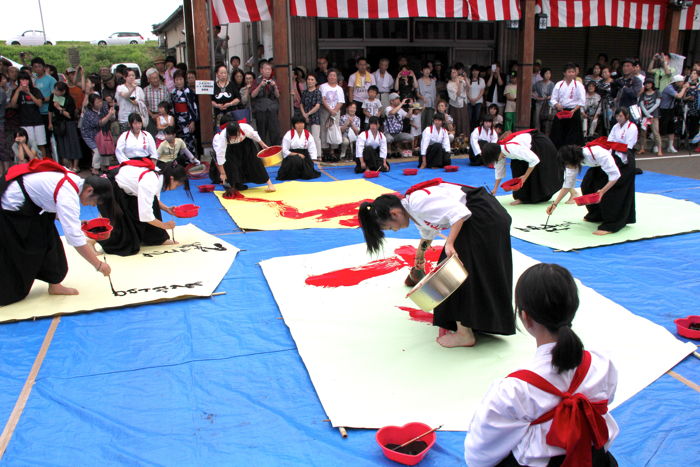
(240, 11)
(690, 18)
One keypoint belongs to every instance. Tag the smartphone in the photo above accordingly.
(493, 67)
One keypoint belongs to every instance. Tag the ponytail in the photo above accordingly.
(174, 171)
(490, 153)
(371, 215)
(548, 294)
(104, 193)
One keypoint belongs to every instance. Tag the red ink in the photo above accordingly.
(352, 276)
(321, 215)
(418, 315)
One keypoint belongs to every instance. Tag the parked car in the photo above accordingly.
(31, 37)
(120, 38)
(133, 66)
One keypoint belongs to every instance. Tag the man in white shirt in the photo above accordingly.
(358, 85)
(435, 145)
(371, 149)
(384, 81)
(568, 96)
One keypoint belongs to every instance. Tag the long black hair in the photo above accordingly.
(174, 171)
(548, 294)
(371, 216)
(102, 190)
(571, 155)
(490, 153)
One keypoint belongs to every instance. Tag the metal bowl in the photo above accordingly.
(271, 156)
(434, 288)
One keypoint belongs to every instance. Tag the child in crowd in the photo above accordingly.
(163, 121)
(510, 93)
(495, 116)
(174, 149)
(556, 410)
(23, 149)
(592, 110)
(416, 130)
(649, 102)
(372, 106)
(449, 121)
(349, 128)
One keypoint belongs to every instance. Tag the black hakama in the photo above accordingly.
(476, 159)
(30, 249)
(567, 130)
(545, 179)
(484, 301)
(599, 458)
(242, 165)
(436, 157)
(617, 208)
(128, 232)
(295, 168)
(372, 160)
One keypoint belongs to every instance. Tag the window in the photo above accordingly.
(340, 29)
(430, 29)
(386, 29)
(476, 30)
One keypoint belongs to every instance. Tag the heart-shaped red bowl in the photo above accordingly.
(683, 327)
(197, 171)
(399, 435)
(410, 171)
(451, 168)
(97, 229)
(591, 198)
(371, 173)
(206, 188)
(514, 184)
(186, 210)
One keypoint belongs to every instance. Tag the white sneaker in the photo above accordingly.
(672, 149)
(407, 153)
(656, 149)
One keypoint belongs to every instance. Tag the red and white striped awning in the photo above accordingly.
(240, 11)
(690, 17)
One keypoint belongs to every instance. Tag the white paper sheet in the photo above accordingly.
(373, 366)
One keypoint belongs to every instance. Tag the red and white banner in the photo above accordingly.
(240, 11)
(489, 10)
(635, 14)
(690, 17)
(380, 9)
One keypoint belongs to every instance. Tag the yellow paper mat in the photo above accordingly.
(192, 268)
(302, 205)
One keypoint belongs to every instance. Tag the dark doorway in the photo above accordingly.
(416, 56)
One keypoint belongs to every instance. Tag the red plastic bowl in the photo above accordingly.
(199, 174)
(371, 173)
(514, 184)
(591, 198)
(451, 168)
(683, 327)
(564, 114)
(94, 223)
(206, 188)
(186, 210)
(401, 434)
(410, 171)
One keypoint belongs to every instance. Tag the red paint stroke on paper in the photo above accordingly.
(418, 315)
(352, 276)
(321, 215)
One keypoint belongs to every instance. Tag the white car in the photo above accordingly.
(133, 66)
(121, 38)
(31, 37)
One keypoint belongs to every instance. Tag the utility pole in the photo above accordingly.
(43, 28)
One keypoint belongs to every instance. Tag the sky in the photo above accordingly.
(86, 20)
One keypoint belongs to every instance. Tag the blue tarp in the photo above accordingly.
(219, 381)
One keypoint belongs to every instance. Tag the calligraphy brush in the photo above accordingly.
(104, 257)
(416, 438)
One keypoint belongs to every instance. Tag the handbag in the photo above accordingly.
(333, 137)
(105, 143)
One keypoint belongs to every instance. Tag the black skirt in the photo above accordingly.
(30, 249)
(475, 159)
(617, 208)
(545, 179)
(372, 160)
(296, 168)
(435, 156)
(128, 232)
(484, 301)
(599, 458)
(242, 165)
(567, 130)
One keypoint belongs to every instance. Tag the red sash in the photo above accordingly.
(509, 139)
(577, 423)
(609, 145)
(180, 107)
(428, 183)
(306, 134)
(147, 164)
(42, 165)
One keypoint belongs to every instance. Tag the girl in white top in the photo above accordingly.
(137, 186)
(608, 176)
(523, 413)
(299, 152)
(457, 89)
(435, 145)
(33, 196)
(481, 134)
(533, 160)
(479, 233)
(130, 98)
(163, 121)
(135, 143)
(370, 153)
(625, 132)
